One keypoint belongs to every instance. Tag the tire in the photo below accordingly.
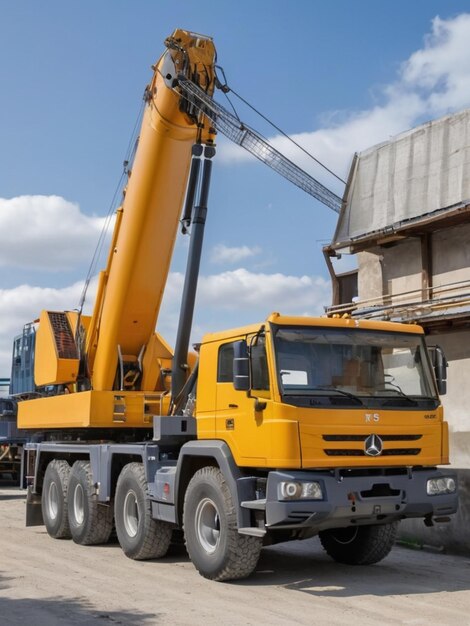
(213, 543)
(359, 545)
(140, 536)
(90, 522)
(54, 499)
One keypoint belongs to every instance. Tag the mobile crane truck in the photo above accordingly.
(285, 429)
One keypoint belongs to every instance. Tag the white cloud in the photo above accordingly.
(240, 289)
(433, 81)
(239, 297)
(442, 68)
(231, 298)
(225, 254)
(50, 233)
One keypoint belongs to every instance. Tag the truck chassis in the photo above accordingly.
(148, 490)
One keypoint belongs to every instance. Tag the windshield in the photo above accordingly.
(356, 366)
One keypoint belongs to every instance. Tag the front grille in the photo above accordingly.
(401, 452)
(364, 437)
(355, 452)
(342, 452)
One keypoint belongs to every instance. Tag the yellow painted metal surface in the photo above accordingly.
(266, 438)
(50, 368)
(92, 409)
(290, 437)
(138, 265)
(206, 391)
(286, 436)
(315, 424)
(445, 444)
(276, 318)
(131, 287)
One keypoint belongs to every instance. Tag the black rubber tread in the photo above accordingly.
(365, 546)
(98, 518)
(237, 555)
(153, 537)
(57, 471)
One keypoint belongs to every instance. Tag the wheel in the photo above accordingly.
(213, 543)
(359, 545)
(90, 522)
(140, 536)
(54, 499)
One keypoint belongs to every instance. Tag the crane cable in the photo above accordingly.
(129, 157)
(244, 136)
(226, 89)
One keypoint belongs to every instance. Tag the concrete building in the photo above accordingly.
(406, 218)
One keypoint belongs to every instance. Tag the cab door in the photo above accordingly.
(238, 422)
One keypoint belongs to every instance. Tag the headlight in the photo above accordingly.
(292, 490)
(438, 486)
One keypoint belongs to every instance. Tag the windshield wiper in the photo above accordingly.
(348, 394)
(398, 392)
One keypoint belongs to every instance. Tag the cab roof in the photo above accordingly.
(331, 322)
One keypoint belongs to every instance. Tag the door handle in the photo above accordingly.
(233, 406)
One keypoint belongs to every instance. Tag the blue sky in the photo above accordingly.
(339, 77)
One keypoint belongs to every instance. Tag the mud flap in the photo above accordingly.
(33, 509)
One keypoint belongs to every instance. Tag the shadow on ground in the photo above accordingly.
(57, 611)
(303, 566)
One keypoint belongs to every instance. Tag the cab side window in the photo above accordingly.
(259, 366)
(225, 364)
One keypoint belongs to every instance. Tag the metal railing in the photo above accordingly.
(408, 305)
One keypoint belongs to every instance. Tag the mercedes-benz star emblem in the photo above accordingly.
(373, 445)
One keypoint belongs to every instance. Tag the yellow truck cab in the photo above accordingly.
(339, 419)
(315, 389)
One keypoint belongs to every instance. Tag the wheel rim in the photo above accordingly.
(131, 514)
(53, 501)
(208, 525)
(78, 505)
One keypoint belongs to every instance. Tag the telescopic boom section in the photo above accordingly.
(131, 288)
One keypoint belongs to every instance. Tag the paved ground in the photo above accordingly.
(47, 582)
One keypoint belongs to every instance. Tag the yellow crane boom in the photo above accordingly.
(120, 338)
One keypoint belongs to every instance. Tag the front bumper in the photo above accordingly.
(352, 498)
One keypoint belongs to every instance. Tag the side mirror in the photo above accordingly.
(439, 362)
(241, 366)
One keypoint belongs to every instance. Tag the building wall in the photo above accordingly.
(454, 536)
(451, 256)
(370, 274)
(456, 346)
(390, 270)
(395, 270)
(402, 267)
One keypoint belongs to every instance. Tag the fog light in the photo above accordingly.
(312, 491)
(439, 486)
(300, 491)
